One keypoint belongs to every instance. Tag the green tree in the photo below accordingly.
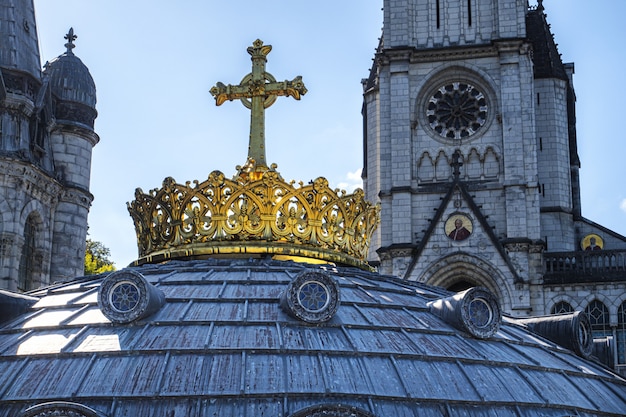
(97, 258)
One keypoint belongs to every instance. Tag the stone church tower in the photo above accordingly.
(470, 146)
(46, 139)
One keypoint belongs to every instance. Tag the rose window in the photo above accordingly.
(313, 296)
(480, 313)
(456, 110)
(124, 296)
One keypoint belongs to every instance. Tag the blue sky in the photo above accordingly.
(154, 62)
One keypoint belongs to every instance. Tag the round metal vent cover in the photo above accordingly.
(312, 296)
(126, 296)
(481, 312)
(475, 311)
(60, 408)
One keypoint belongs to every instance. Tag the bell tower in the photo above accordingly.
(450, 147)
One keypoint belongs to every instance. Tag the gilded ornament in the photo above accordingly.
(257, 212)
(265, 216)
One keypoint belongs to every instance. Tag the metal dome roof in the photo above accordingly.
(222, 337)
(71, 83)
(70, 80)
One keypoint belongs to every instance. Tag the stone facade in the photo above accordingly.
(45, 156)
(470, 120)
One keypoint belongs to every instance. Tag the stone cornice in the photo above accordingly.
(31, 180)
(78, 129)
(76, 196)
(442, 54)
(453, 53)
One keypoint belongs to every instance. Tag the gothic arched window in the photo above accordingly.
(26, 271)
(599, 318)
(561, 307)
(621, 334)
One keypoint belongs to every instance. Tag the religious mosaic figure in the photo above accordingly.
(592, 242)
(458, 227)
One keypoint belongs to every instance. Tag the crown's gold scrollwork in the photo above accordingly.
(265, 216)
(257, 91)
(257, 212)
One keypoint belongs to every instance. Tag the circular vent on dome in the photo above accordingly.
(312, 296)
(570, 330)
(126, 296)
(331, 410)
(475, 311)
(60, 408)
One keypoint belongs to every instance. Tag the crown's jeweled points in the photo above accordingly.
(257, 212)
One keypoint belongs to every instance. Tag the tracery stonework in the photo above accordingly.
(456, 110)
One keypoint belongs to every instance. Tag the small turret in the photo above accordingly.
(73, 86)
(72, 139)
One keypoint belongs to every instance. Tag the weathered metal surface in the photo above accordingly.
(221, 345)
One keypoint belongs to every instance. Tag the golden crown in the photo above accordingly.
(251, 217)
(256, 212)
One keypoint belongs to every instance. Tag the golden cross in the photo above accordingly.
(257, 91)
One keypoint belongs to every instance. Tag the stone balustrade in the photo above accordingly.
(584, 266)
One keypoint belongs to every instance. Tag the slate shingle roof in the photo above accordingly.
(222, 345)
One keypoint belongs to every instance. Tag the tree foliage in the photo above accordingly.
(97, 258)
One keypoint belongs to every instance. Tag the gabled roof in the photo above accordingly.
(460, 187)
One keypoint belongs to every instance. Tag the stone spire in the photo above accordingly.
(18, 37)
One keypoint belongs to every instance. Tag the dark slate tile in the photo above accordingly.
(496, 351)
(381, 341)
(172, 337)
(436, 380)
(9, 371)
(399, 409)
(315, 338)
(195, 291)
(443, 346)
(171, 311)
(345, 374)
(46, 379)
(558, 387)
(350, 315)
(383, 372)
(468, 410)
(216, 311)
(599, 393)
(501, 384)
(178, 407)
(244, 337)
(537, 355)
(203, 374)
(264, 374)
(358, 295)
(265, 311)
(105, 339)
(303, 374)
(124, 375)
(239, 291)
(398, 317)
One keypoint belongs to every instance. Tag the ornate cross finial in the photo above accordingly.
(456, 164)
(257, 91)
(70, 41)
